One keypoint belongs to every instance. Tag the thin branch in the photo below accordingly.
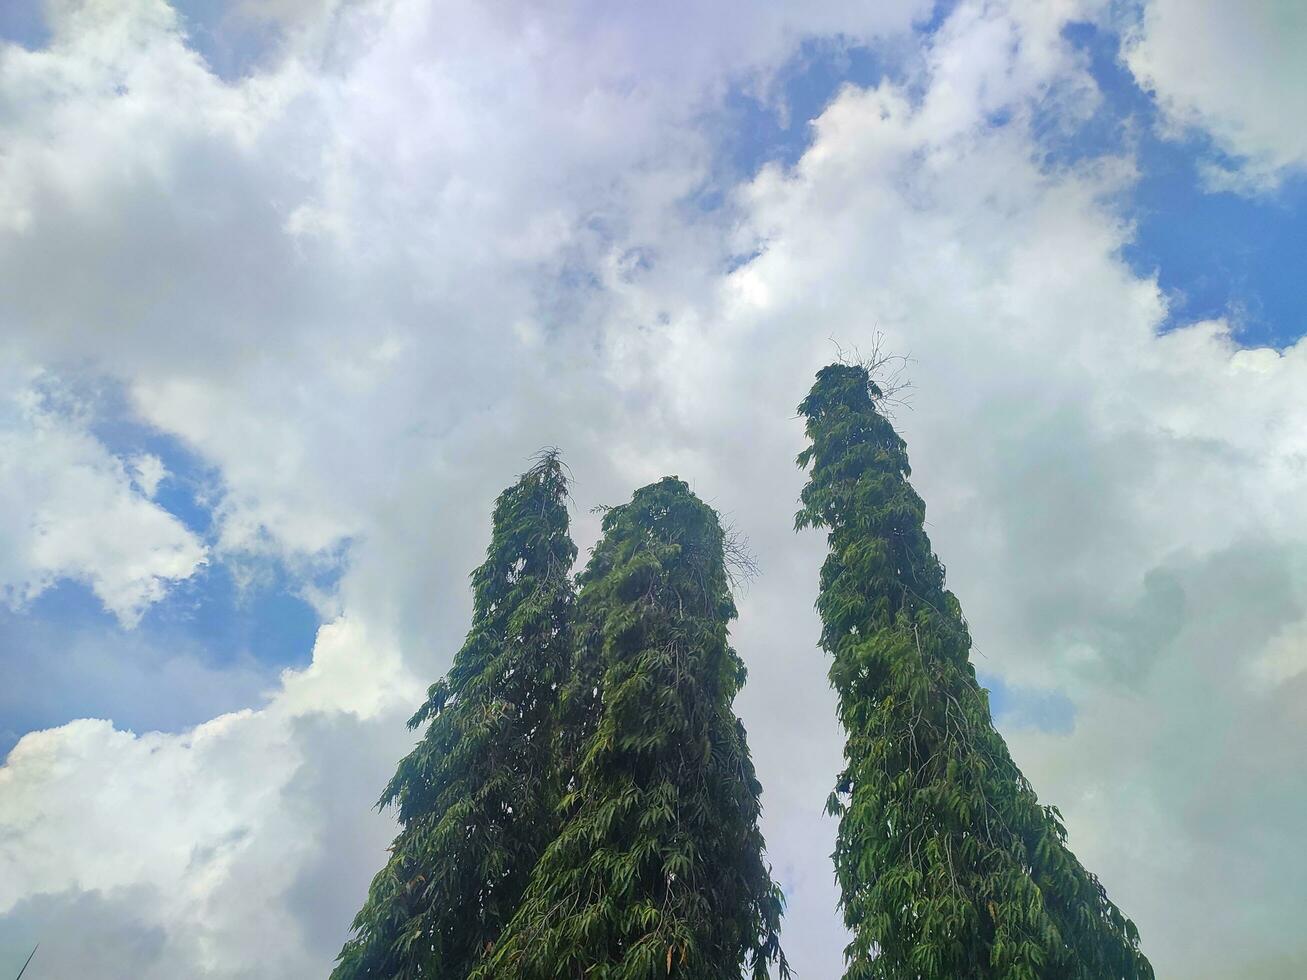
(29, 960)
(891, 387)
(741, 563)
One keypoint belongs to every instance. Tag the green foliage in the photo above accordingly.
(948, 865)
(657, 870)
(477, 797)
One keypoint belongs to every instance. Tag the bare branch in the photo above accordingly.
(891, 387)
(741, 563)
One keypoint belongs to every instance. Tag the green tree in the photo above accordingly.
(478, 795)
(948, 865)
(658, 868)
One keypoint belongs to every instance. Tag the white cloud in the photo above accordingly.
(206, 837)
(1235, 71)
(1284, 658)
(68, 509)
(147, 472)
(366, 283)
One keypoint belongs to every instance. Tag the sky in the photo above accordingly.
(290, 290)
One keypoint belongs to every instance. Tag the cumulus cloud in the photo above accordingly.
(202, 839)
(1235, 72)
(366, 282)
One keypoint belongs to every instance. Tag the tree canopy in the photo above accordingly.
(657, 869)
(477, 797)
(948, 865)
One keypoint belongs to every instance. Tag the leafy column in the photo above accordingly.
(478, 795)
(658, 868)
(949, 867)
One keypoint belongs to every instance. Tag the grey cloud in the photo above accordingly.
(85, 934)
(334, 800)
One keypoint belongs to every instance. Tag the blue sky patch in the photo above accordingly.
(213, 643)
(774, 126)
(233, 39)
(1215, 253)
(253, 608)
(22, 22)
(1015, 707)
(208, 646)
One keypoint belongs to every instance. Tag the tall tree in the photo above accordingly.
(658, 869)
(948, 865)
(478, 795)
